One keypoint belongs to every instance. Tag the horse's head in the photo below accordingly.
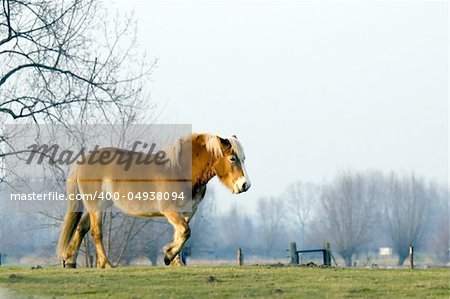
(229, 166)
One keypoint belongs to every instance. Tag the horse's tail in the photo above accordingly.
(73, 214)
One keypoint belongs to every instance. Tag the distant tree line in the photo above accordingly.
(357, 212)
(360, 210)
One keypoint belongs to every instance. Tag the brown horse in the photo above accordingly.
(198, 158)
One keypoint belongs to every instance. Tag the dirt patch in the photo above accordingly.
(280, 265)
(14, 277)
(211, 279)
(276, 265)
(277, 292)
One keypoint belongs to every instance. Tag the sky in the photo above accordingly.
(310, 88)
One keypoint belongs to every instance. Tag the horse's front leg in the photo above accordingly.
(178, 261)
(180, 236)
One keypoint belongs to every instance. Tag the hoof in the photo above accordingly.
(70, 265)
(167, 261)
(105, 266)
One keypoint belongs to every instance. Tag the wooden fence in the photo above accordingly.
(326, 253)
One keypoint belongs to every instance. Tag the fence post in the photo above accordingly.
(240, 257)
(0, 258)
(294, 253)
(411, 256)
(326, 254)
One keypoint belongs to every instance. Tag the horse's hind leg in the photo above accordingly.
(96, 231)
(181, 234)
(70, 259)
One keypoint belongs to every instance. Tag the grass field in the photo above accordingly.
(225, 281)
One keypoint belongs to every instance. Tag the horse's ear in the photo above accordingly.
(234, 136)
(225, 143)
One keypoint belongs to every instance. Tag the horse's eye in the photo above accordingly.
(233, 158)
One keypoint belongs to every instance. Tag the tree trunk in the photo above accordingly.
(348, 261)
(401, 258)
(153, 259)
(87, 252)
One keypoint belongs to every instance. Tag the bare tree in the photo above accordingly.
(349, 212)
(155, 235)
(440, 242)
(406, 206)
(203, 223)
(67, 62)
(5, 229)
(270, 212)
(301, 199)
(129, 237)
(233, 228)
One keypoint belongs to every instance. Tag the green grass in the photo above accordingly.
(226, 281)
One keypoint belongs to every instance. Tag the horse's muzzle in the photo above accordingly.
(241, 185)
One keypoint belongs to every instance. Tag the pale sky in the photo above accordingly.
(310, 88)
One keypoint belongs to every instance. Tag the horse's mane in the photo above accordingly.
(212, 143)
(213, 146)
(173, 152)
